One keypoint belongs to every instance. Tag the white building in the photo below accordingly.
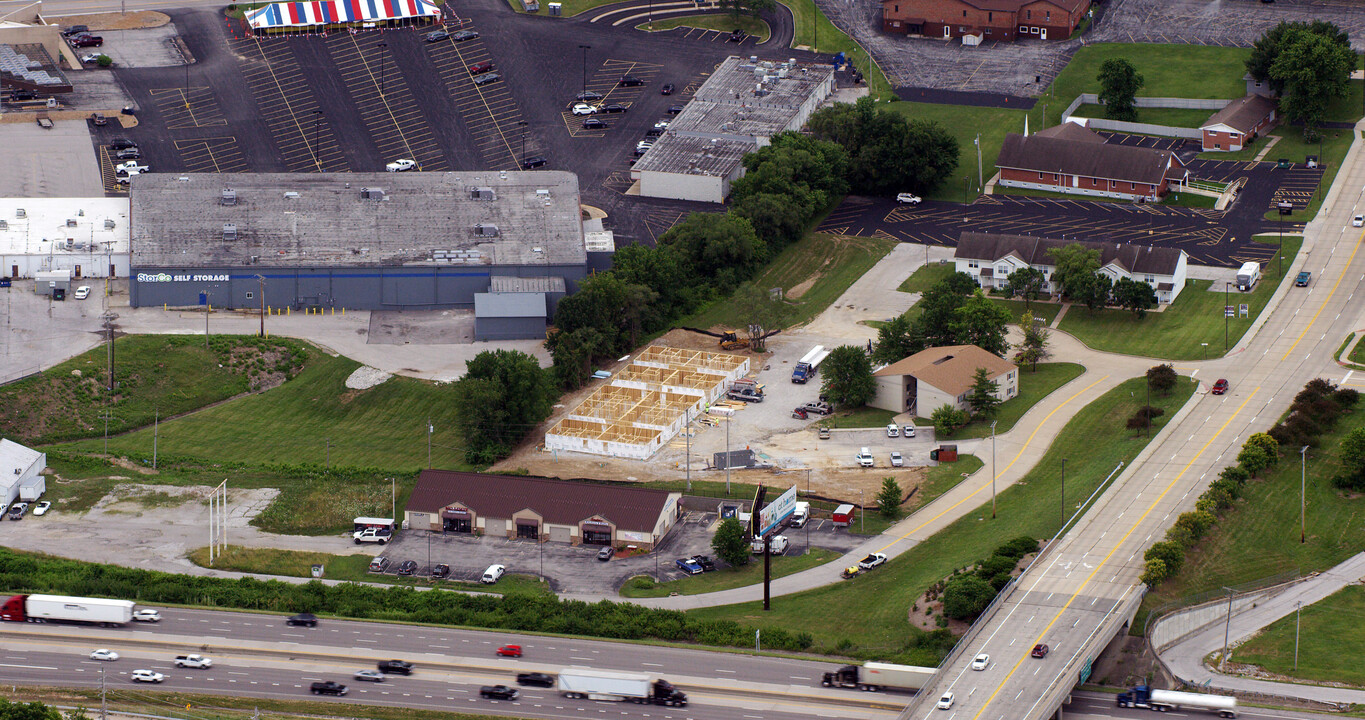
(735, 112)
(87, 236)
(990, 259)
(940, 376)
(21, 468)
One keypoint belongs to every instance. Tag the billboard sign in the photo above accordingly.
(776, 511)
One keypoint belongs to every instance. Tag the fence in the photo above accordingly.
(1146, 128)
(20, 375)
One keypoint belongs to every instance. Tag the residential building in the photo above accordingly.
(940, 376)
(1071, 159)
(979, 21)
(990, 258)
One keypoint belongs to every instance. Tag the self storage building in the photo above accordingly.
(538, 509)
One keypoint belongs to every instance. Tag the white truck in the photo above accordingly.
(61, 608)
(371, 535)
(1143, 696)
(801, 514)
(875, 676)
(193, 661)
(618, 686)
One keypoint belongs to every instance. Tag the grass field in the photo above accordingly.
(813, 273)
(1330, 631)
(727, 578)
(724, 23)
(866, 617)
(863, 417)
(293, 563)
(926, 277)
(964, 123)
(1185, 71)
(1196, 317)
(313, 418)
(1357, 355)
(1033, 387)
(815, 31)
(1259, 536)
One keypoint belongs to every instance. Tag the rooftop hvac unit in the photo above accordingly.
(543, 193)
(71, 222)
(19, 213)
(371, 193)
(482, 193)
(753, 59)
(229, 232)
(108, 224)
(229, 197)
(70, 242)
(486, 230)
(4, 224)
(291, 195)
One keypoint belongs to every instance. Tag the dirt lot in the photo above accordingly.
(98, 22)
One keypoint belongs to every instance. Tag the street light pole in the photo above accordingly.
(522, 123)
(585, 49)
(317, 123)
(1063, 491)
(1298, 614)
(382, 54)
(1226, 631)
(208, 306)
(262, 279)
(993, 473)
(1227, 311)
(980, 177)
(1303, 485)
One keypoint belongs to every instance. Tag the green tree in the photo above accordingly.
(947, 419)
(776, 219)
(889, 499)
(1155, 572)
(888, 153)
(573, 353)
(1134, 295)
(660, 269)
(846, 377)
(985, 404)
(1353, 452)
(1119, 85)
(722, 247)
(1254, 458)
(1312, 70)
(503, 395)
(1162, 378)
(895, 340)
(809, 172)
(1076, 264)
(731, 542)
(27, 711)
(1268, 444)
(981, 322)
(1267, 49)
(760, 311)
(1026, 283)
(1172, 554)
(965, 596)
(938, 311)
(1033, 348)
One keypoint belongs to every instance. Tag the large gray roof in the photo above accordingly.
(1033, 250)
(306, 219)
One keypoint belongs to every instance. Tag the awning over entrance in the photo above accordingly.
(455, 514)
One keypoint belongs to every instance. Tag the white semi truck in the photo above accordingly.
(60, 608)
(874, 676)
(1143, 696)
(618, 686)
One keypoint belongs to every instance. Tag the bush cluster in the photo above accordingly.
(966, 593)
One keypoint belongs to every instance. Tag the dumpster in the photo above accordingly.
(946, 453)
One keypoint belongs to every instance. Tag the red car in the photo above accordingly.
(482, 67)
(510, 651)
(1220, 387)
(1040, 650)
(85, 40)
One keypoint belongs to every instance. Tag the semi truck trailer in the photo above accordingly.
(875, 676)
(809, 364)
(1143, 696)
(618, 686)
(59, 608)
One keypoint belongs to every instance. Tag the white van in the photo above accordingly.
(801, 514)
(865, 458)
(492, 574)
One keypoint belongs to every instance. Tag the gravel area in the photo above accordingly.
(366, 377)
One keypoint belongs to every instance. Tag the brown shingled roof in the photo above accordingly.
(1069, 6)
(1242, 114)
(1137, 259)
(1109, 161)
(559, 502)
(949, 368)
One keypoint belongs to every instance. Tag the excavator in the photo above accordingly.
(730, 339)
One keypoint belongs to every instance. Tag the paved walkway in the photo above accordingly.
(1185, 659)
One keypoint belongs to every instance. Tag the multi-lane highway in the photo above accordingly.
(1080, 592)
(259, 656)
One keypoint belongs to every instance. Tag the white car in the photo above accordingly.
(42, 508)
(1358, 221)
(584, 109)
(492, 574)
(401, 165)
(946, 702)
(897, 460)
(872, 561)
(147, 676)
(90, 58)
(908, 199)
(893, 430)
(82, 292)
(103, 654)
(130, 167)
(980, 662)
(369, 676)
(908, 431)
(146, 615)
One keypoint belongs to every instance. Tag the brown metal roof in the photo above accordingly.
(1242, 114)
(560, 502)
(949, 368)
(1071, 131)
(1126, 163)
(1139, 259)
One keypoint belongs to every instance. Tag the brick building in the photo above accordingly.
(984, 20)
(1239, 123)
(1071, 159)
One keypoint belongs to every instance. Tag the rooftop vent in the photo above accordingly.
(291, 195)
(19, 213)
(4, 224)
(108, 224)
(229, 197)
(71, 222)
(482, 193)
(543, 193)
(371, 193)
(486, 230)
(229, 232)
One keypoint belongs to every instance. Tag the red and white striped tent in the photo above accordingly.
(339, 13)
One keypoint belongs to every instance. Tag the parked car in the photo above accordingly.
(82, 293)
(492, 574)
(823, 433)
(104, 654)
(86, 40)
(17, 510)
(1220, 387)
(661, 124)
(407, 567)
(897, 460)
(131, 167)
(593, 123)
(76, 30)
(327, 687)
(908, 199)
(744, 394)
(121, 143)
(819, 408)
(462, 35)
(612, 108)
(1302, 279)
(131, 153)
(777, 545)
(737, 36)
(536, 679)
(395, 667)
(667, 89)
(864, 458)
(631, 81)
(588, 96)
(1040, 650)
(606, 553)
(436, 36)
(498, 692)
(483, 67)
(893, 430)
(146, 615)
(440, 572)
(908, 431)
(99, 120)
(90, 58)
(303, 619)
(379, 564)
(704, 561)
(401, 165)
(686, 565)
(147, 676)
(509, 651)
(674, 109)
(534, 161)
(369, 676)
(872, 561)
(486, 79)
(980, 662)
(583, 109)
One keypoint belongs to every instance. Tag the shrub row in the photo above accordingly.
(969, 591)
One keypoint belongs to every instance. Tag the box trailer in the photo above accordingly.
(844, 515)
(1248, 275)
(809, 364)
(32, 489)
(1143, 696)
(875, 676)
(618, 686)
(60, 608)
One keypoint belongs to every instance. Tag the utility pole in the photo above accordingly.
(1298, 614)
(1064, 491)
(1227, 629)
(993, 473)
(104, 699)
(980, 177)
(109, 318)
(393, 498)
(430, 430)
(585, 49)
(262, 279)
(727, 456)
(687, 434)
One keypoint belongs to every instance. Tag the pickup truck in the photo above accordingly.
(819, 408)
(327, 687)
(193, 661)
(374, 535)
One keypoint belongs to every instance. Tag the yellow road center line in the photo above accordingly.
(1327, 299)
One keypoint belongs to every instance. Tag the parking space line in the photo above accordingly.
(287, 102)
(491, 115)
(188, 107)
(385, 103)
(215, 154)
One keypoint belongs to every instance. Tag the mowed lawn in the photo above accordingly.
(964, 123)
(1033, 387)
(867, 616)
(1329, 634)
(723, 23)
(382, 427)
(1183, 71)
(1195, 317)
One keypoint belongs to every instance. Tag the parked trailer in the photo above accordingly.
(1248, 275)
(59, 608)
(875, 676)
(1143, 696)
(618, 686)
(809, 364)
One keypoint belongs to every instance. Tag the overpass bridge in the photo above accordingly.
(1083, 589)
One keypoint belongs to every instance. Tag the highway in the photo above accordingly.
(259, 656)
(1081, 591)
